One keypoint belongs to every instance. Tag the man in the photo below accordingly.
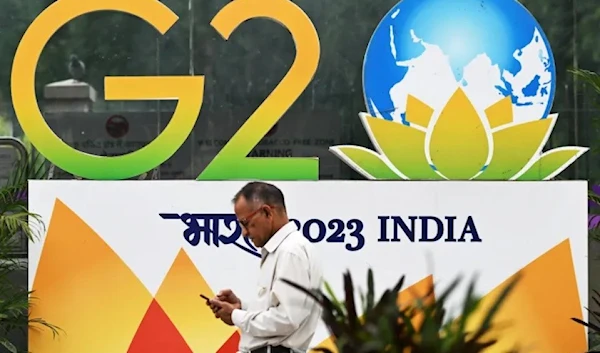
(281, 319)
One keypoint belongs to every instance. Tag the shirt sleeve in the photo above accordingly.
(292, 308)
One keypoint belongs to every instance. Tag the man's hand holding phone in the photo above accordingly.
(227, 296)
(213, 306)
(223, 305)
(205, 297)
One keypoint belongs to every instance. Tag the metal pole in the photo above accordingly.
(192, 71)
(575, 81)
(8, 168)
(191, 37)
(156, 171)
(16, 143)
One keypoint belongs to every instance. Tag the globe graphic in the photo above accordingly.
(429, 48)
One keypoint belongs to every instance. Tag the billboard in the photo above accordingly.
(121, 265)
(452, 92)
(437, 83)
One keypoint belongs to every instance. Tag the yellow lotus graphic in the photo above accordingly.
(457, 143)
(85, 288)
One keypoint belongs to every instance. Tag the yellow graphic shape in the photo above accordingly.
(500, 113)
(179, 296)
(328, 343)
(417, 112)
(84, 288)
(552, 162)
(405, 297)
(514, 146)
(368, 162)
(536, 316)
(459, 145)
(410, 158)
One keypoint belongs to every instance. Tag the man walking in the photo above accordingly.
(281, 319)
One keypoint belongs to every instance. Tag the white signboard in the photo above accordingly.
(116, 245)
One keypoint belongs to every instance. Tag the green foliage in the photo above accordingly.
(592, 79)
(16, 221)
(589, 77)
(594, 212)
(593, 325)
(33, 167)
(5, 126)
(387, 327)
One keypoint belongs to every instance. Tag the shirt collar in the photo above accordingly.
(279, 237)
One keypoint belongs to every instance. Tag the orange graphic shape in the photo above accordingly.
(232, 344)
(405, 297)
(536, 316)
(84, 288)
(420, 290)
(179, 296)
(157, 334)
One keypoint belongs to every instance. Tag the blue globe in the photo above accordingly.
(489, 48)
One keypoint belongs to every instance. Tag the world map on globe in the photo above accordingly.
(429, 48)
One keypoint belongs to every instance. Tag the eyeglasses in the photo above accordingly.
(244, 221)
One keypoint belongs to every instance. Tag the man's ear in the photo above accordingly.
(268, 212)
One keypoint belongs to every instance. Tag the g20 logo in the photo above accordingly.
(231, 162)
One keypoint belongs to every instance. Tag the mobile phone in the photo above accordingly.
(204, 297)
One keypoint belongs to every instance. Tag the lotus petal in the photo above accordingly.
(417, 112)
(459, 146)
(552, 162)
(402, 145)
(516, 145)
(366, 162)
(500, 113)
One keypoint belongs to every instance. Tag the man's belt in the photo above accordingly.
(271, 349)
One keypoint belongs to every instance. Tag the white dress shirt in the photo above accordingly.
(281, 314)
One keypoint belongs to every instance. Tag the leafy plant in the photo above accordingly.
(590, 77)
(421, 327)
(593, 325)
(592, 80)
(594, 213)
(16, 221)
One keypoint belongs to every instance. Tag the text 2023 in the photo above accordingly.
(333, 231)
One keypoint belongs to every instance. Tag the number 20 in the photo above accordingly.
(231, 162)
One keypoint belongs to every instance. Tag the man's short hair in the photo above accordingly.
(260, 192)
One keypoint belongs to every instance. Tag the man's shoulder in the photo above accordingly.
(296, 243)
(297, 246)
